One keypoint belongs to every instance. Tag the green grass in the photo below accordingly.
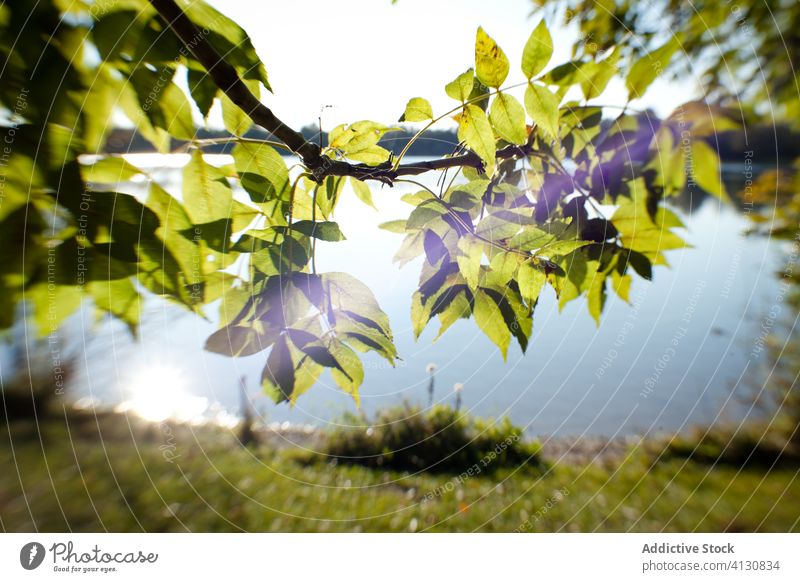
(745, 445)
(113, 474)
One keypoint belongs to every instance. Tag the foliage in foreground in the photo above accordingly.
(540, 192)
(743, 53)
(438, 439)
(176, 478)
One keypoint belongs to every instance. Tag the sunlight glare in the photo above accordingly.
(157, 393)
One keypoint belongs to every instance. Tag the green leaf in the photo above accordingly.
(289, 256)
(237, 121)
(100, 101)
(328, 195)
(228, 38)
(241, 215)
(173, 222)
(668, 162)
(346, 293)
(490, 319)
(637, 229)
(621, 285)
(362, 192)
(52, 305)
(202, 89)
(373, 155)
(110, 170)
(361, 334)
(537, 51)
(562, 247)
(475, 130)
(498, 226)
(508, 119)
(469, 260)
(467, 196)
(706, 169)
(306, 373)
(491, 64)
(130, 105)
(531, 281)
(542, 106)
(327, 231)
(410, 249)
(417, 109)
(597, 75)
(531, 238)
(573, 281)
(417, 198)
(177, 112)
(640, 263)
(504, 267)
(650, 66)
(278, 377)
(206, 194)
(565, 75)
(395, 226)
(162, 101)
(242, 340)
(461, 87)
(424, 214)
(358, 141)
(350, 373)
(118, 297)
(479, 95)
(355, 136)
(262, 171)
(596, 296)
(419, 315)
(516, 315)
(457, 309)
(290, 371)
(319, 353)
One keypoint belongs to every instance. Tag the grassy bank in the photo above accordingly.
(115, 472)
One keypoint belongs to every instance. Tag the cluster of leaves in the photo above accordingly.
(559, 197)
(743, 53)
(69, 232)
(575, 207)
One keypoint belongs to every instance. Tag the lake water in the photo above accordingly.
(681, 354)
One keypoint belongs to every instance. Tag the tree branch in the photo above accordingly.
(387, 174)
(227, 80)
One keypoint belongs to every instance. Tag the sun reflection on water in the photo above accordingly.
(157, 393)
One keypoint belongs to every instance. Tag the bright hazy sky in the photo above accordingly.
(366, 58)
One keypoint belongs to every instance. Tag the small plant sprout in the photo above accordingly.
(457, 388)
(246, 432)
(431, 370)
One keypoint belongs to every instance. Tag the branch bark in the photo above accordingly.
(227, 80)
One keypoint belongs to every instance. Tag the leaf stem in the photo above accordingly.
(200, 143)
(448, 114)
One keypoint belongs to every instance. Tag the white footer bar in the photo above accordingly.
(400, 557)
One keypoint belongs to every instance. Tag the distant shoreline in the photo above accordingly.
(767, 143)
